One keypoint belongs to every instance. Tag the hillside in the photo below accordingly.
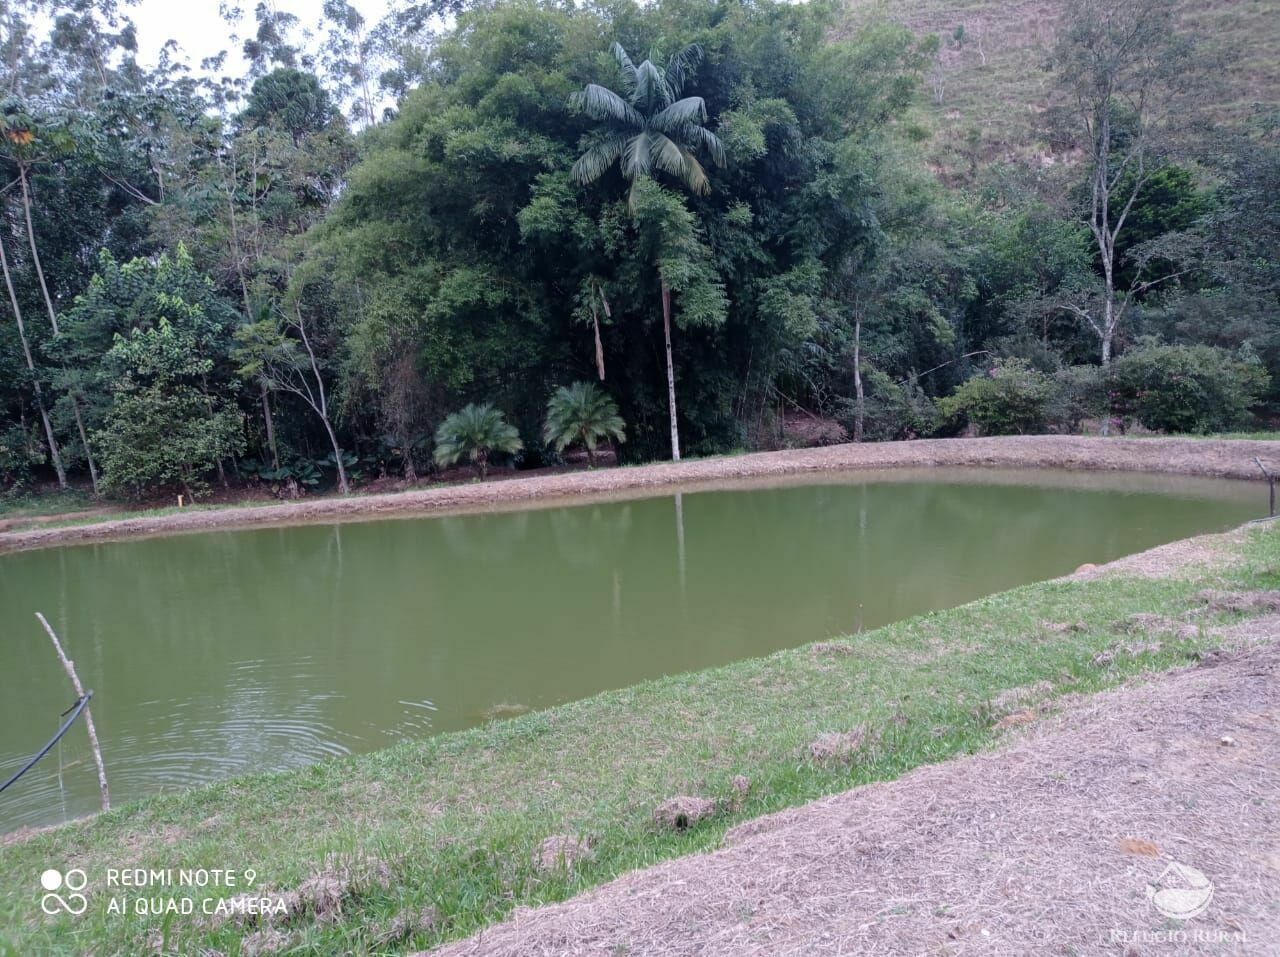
(992, 81)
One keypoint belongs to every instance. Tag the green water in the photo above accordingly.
(230, 652)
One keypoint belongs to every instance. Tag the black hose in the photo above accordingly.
(74, 711)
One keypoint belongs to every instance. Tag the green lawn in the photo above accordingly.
(456, 818)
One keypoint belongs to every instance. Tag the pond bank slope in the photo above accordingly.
(1047, 845)
(1222, 458)
(433, 840)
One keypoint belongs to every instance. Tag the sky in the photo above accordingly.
(201, 31)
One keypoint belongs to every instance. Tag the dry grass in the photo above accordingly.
(562, 852)
(1047, 846)
(683, 811)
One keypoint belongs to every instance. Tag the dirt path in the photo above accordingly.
(1047, 846)
(1215, 459)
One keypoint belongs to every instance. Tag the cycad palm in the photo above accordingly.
(582, 413)
(473, 432)
(651, 126)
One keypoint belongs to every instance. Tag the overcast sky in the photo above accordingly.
(201, 32)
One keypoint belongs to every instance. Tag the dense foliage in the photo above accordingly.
(718, 211)
(1186, 388)
(1010, 398)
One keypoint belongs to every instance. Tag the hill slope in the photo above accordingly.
(993, 80)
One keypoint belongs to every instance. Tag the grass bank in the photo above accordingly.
(431, 840)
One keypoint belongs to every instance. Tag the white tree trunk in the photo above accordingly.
(671, 372)
(84, 440)
(860, 403)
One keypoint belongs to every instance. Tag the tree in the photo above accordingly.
(1010, 398)
(582, 413)
(284, 353)
(348, 54)
(41, 406)
(651, 127)
(1187, 388)
(473, 433)
(291, 99)
(161, 426)
(26, 143)
(1129, 78)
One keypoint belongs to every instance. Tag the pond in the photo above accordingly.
(230, 652)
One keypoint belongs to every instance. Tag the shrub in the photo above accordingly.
(1081, 394)
(582, 414)
(473, 433)
(158, 436)
(1009, 398)
(19, 451)
(892, 410)
(1186, 388)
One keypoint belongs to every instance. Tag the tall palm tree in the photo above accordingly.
(648, 127)
(472, 433)
(582, 413)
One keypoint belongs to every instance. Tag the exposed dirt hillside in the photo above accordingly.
(987, 91)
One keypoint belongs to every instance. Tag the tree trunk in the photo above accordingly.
(343, 487)
(54, 455)
(595, 319)
(608, 312)
(1108, 331)
(270, 424)
(860, 403)
(482, 463)
(35, 253)
(671, 373)
(84, 439)
(53, 319)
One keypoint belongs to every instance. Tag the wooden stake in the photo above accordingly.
(70, 668)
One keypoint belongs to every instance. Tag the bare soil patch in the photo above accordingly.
(1053, 844)
(1214, 459)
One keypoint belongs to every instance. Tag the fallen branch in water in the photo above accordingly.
(70, 668)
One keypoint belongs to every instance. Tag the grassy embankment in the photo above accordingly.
(456, 819)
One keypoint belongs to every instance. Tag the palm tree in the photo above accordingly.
(582, 413)
(472, 433)
(648, 127)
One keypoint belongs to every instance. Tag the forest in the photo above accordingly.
(505, 231)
